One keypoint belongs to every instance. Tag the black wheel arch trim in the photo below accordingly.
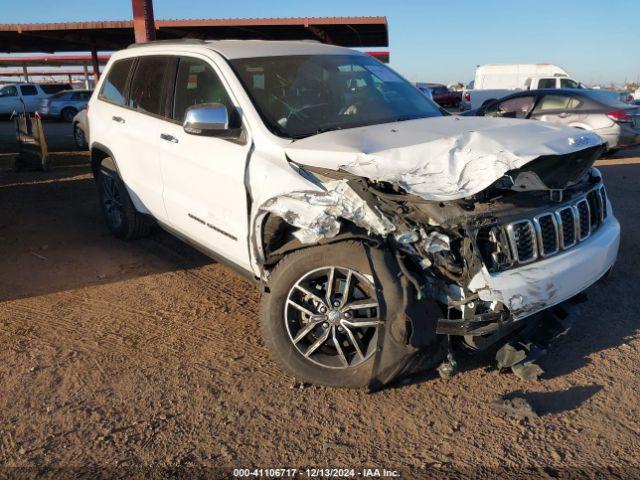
(96, 159)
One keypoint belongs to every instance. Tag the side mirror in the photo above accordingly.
(208, 119)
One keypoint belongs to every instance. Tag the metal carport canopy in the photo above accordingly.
(115, 35)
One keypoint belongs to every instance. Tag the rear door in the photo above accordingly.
(204, 189)
(558, 108)
(128, 119)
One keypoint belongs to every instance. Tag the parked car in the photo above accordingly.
(382, 233)
(493, 82)
(443, 96)
(81, 129)
(600, 111)
(65, 105)
(425, 90)
(18, 97)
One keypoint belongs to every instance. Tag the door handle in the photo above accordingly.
(168, 138)
(563, 115)
(118, 119)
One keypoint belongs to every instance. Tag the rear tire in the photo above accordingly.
(120, 215)
(79, 138)
(68, 113)
(333, 314)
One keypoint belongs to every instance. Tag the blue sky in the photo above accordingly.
(439, 41)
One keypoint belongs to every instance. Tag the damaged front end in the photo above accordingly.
(468, 268)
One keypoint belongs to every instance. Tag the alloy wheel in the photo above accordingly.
(111, 200)
(331, 316)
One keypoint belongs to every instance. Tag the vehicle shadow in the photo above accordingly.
(53, 237)
(549, 403)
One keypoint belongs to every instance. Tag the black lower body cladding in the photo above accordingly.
(407, 341)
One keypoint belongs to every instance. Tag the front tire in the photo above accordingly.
(320, 318)
(120, 215)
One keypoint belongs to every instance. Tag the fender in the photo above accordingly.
(96, 161)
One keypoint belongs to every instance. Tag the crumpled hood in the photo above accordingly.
(442, 158)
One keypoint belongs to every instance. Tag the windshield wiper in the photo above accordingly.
(329, 129)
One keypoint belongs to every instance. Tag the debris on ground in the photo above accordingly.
(516, 407)
(447, 369)
(521, 353)
(520, 358)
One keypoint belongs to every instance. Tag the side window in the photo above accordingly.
(547, 83)
(9, 91)
(518, 107)
(114, 86)
(147, 85)
(568, 83)
(197, 83)
(553, 102)
(50, 88)
(28, 90)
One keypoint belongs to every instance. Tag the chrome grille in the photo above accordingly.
(523, 241)
(550, 232)
(603, 202)
(547, 234)
(567, 222)
(584, 217)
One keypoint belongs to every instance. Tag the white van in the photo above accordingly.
(494, 81)
(377, 227)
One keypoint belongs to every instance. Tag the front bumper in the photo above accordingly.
(532, 288)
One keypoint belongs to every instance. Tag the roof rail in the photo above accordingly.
(179, 41)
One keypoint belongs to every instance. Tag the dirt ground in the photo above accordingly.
(147, 354)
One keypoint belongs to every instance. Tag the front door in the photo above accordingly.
(204, 189)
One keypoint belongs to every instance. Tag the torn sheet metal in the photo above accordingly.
(317, 214)
(531, 288)
(437, 242)
(442, 158)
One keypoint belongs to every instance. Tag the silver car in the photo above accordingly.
(65, 105)
(81, 129)
(600, 111)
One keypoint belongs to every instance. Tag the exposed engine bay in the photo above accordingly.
(526, 215)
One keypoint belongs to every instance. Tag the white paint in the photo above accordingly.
(531, 288)
(316, 214)
(442, 158)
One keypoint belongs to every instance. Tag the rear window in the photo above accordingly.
(606, 97)
(50, 88)
(113, 89)
(147, 85)
(27, 90)
(81, 95)
(61, 96)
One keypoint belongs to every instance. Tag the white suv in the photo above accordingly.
(381, 231)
